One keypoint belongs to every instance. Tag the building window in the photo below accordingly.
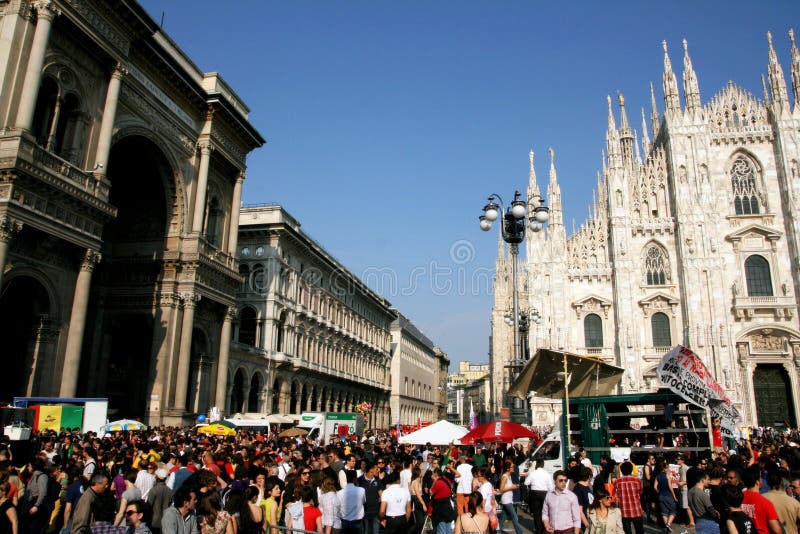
(759, 281)
(745, 192)
(214, 222)
(659, 325)
(593, 330)
(247, 327)
(656, 266)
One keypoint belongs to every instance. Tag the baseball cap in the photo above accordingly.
(162, 473)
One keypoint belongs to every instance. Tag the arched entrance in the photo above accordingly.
(237, 397)
(255, 393)
(131, 336)
(27, 352)
(773, 391)
(127, 280)
(200, 369)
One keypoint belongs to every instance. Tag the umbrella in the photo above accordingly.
(499, 431)
(439, 433)
(124, 424)
(216, 430)
(293, 432)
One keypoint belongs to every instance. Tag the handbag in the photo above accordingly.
(493, 521)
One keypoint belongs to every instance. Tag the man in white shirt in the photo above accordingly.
(405, 474)
(539, 483)
(395, 506)
(352, 500)
(463, 477)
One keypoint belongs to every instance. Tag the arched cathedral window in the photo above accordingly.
(656, 266)
(745, 190)
(593, 331)
(659, 325)
(757, 275)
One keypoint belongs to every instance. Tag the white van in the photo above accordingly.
(551, 452)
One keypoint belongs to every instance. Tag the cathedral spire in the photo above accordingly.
(795, 70)
(612, 139)
(645, 136)
(671, 98)
(501, 247)
(777, 83)
(533, 187)
(764, 89)
(625, 135)
(691, 89)
(554, 194)
(655, 120)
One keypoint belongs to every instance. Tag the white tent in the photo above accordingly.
(441, 433)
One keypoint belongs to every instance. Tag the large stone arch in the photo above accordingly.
(29, 334)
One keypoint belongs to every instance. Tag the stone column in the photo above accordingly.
(190, 301)
(107, 123)
(163, 348)
(8, 229)
(224, 356)
(202, 185)
(45, 12)
(77, 322)
(233, 234)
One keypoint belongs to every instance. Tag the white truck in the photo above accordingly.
(322, 425)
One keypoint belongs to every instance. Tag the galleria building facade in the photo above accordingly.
(121, 170)
(695, 240)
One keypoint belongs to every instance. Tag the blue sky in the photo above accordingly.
(388, 123)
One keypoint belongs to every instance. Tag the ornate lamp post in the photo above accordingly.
(519, 217)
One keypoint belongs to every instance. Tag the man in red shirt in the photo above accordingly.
(628, 491)
(756, 506)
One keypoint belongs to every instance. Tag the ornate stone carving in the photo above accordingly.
(766, 342)
(90, 260)
(101, 25)
(156, 119)
(8, 229)
(190, 299)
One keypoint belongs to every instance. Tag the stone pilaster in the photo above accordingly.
(46, 12)
(77, 323)
(224, 356)
(233, 234)
(107, 123)
(202, 185)
(190, 301)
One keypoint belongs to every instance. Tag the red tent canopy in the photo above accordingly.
(497, 432)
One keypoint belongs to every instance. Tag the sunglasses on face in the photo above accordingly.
(131, 512)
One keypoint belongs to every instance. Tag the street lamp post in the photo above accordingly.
(518, 217)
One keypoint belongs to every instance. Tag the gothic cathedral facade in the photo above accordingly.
(695, 240)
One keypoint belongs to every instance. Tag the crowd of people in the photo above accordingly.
(173, 481)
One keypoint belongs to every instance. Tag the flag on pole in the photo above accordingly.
(473, 419)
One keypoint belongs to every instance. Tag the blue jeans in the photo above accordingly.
(508, 511)
(706, 526)
(445, 527)
(371, 524)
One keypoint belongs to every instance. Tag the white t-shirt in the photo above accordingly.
(395, 498)
(487, 491)
(507, 497)
(405, 478)
(464, 478)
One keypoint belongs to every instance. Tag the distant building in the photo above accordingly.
(471, 383)
(415, 368)
(309, 335)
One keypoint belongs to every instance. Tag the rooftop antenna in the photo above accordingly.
(163, 14)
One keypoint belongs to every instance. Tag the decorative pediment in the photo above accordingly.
(592, 304)
(659, 302)
(754, 237)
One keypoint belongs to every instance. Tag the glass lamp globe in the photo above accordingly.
(490, 211)
(518, 210)
(535, 226)
(542, 215)
(485, 223)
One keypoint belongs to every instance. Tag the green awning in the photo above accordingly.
(543, 375)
